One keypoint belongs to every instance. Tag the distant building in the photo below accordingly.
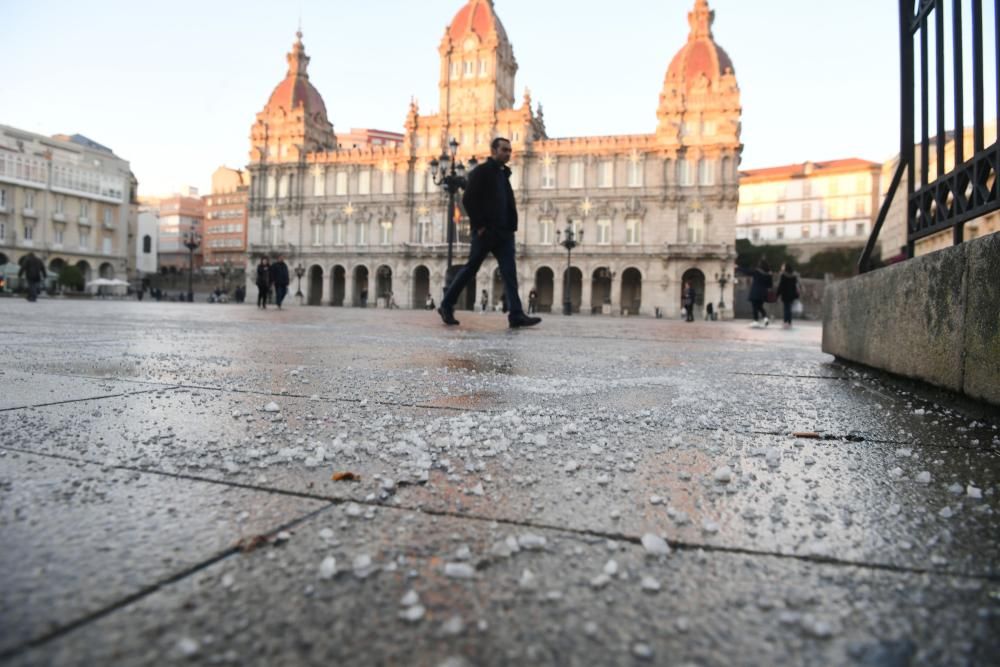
(362, 138)
(809, 207)
(180, 216)
(67, 199)
(147, 243)
(225, 232)
(655, 210)
(893, 237)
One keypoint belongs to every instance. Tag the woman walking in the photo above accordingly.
(263, 282)
(759, 287)
(788, 291)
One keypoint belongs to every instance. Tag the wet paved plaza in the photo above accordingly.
(597, 491)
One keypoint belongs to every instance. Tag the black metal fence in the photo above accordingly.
(946, 199)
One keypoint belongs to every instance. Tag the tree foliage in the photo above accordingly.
(71, 277)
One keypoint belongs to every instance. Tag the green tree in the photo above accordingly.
(749, 255)
(71, 277)
(842, 263)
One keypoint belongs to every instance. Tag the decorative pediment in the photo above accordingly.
(548, 209)
(634, 207)
(387, 213)
(317, 215)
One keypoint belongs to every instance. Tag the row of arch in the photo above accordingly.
(57, 264)
(367, 288)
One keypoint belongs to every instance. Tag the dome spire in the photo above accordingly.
(298, 61)
(701, 20)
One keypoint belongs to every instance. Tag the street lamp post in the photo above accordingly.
(224, 271)
(723, 280)
(299, 272)
(569, 242)
(191, 242)
(448, 173)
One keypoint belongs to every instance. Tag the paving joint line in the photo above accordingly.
(78, 400)
(590, 533)
(146, 591)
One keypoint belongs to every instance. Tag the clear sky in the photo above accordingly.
(173, 87)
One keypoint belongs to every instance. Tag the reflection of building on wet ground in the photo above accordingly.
(655, 209)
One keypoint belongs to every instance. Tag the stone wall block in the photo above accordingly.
(982, 320)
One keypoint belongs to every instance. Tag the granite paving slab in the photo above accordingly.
(404, 588)
(78, 537)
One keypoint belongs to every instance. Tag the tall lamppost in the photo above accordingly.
(448, 173)
(299, 272)
(191, 242)
(569, 242)
(723, 280)
(224, 271)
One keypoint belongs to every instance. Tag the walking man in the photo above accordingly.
(263, 282)
(489, 201)
(280, 279)
(33, 269)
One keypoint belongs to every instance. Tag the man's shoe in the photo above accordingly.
(447, 316)
(524, 321)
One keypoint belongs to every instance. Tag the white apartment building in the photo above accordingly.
(809, 207)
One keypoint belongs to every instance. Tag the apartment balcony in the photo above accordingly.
(58, 216)
(29, 213)
(83, 221)
(110, 226)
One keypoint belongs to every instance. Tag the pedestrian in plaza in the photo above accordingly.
(489, 201)
(429, 302)
(532, 301)
(364, 297)
(689, 297)
(761, 284)
(280, 279)
(485, 300)
(263, 282)
(788, 291)
(33, 269)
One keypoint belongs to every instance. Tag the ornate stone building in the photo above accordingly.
(655, 209)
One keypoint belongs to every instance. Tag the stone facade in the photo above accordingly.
(68, 200)
(810, 207)
(655, 209)
(225, 236)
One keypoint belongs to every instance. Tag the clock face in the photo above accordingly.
(471, 43)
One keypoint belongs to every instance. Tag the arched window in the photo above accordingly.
(147, 244)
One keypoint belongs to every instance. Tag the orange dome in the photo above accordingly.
(476, 17)
(295, 91)
(701, 56)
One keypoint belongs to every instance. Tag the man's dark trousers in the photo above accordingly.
(279, 294)
(34, 287)
(501, 245)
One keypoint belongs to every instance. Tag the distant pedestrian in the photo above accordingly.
(689, 297)
(33, 269)
(240, 294)
(429, 302)
(263, 282)
(485, 300)
(489, 201)
(280, 279)
(788, 291)
(364, 297)
(532, 301)
(759, 287)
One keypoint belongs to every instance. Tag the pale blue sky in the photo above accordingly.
(173, 86)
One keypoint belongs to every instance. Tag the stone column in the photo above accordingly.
(586, 294)
(327, 289)
(616, 294)
(349, 287)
